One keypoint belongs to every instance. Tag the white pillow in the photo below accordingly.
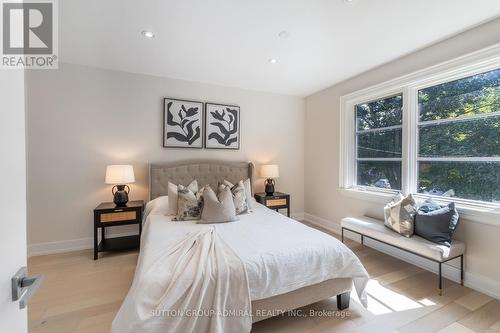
(173, 198)
(400, 213)
(158, 206)
(248, 192)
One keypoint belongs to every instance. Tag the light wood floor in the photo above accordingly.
(83, 295)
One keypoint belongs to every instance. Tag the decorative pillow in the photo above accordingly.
(239, 197)
(436, 223)
(248, 192)
(173, 198)
(189, 204)
(399, 214)
(218, 209)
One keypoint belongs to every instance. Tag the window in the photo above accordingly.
(435, 132)
(378, 138)
(459, 138)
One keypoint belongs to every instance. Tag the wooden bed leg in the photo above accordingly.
(343, 300)
(462, 269)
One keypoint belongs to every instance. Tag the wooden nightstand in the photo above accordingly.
(276, 201)
(108, 215)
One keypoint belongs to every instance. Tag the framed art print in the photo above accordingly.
(182, 123)
(222, 126)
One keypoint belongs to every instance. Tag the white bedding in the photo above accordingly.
(279, 254)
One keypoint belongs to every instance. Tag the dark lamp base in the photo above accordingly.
(269, 189)
(120, 195)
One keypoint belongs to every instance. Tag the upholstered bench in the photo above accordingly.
(376, 230)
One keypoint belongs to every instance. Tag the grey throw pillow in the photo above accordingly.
(239, 197)
(218, 209)
(399, 214)
(436, 223)
(189, 204)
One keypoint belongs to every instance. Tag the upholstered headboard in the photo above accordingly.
(205, 172)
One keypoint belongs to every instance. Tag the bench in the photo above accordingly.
(376, 230)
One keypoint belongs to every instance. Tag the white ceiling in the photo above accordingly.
(230, 42)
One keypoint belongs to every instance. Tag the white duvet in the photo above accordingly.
(278, 253)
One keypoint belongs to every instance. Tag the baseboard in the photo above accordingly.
(298, 216)
(68, 245)
(450, 270)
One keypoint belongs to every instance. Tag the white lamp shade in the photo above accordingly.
(120, 174)
(269, 171)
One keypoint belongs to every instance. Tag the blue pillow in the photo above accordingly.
(436, 223)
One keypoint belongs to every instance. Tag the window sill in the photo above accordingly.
(481, 214)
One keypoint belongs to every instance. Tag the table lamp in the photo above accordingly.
(120, 176)
(269, 171)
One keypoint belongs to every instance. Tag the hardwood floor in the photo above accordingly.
(82, 295)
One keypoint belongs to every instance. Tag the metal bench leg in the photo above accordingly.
(440, 281)
(362, 240)
(462, 269)
(342, 235)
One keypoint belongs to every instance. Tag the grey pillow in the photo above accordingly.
(436, 223)
(218, 209)
(399, 214)
(239, 197)
(189, 204)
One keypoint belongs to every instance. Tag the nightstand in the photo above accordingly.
(108, 215)
(276, 201)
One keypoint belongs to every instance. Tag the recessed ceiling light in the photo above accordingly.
(284, 34)
(273, 61)
(348, 1)
(148, 34)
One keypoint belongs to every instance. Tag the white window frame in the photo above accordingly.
(409, 85)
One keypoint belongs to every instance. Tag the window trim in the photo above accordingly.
(471, 64)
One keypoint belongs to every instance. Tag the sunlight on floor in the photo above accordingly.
(382, 300)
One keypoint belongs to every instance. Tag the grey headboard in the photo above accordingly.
(205, 172)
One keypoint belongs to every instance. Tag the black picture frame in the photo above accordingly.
(181, 128)
(214, 136)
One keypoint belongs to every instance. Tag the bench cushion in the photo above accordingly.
(375, 229)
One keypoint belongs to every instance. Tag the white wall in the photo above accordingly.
(80, 119)
(323, 199)
(12, 196)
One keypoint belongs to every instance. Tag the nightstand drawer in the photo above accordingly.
(118, 216)
(275, 202)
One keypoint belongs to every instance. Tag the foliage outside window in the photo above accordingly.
(379, 146)
(459, 138)
(456, 143)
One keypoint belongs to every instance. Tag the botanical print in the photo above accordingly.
(223, 126)
(183, 123)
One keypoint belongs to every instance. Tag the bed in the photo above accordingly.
(288, 264)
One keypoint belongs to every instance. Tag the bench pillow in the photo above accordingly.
(436, 223)
(399, 214)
